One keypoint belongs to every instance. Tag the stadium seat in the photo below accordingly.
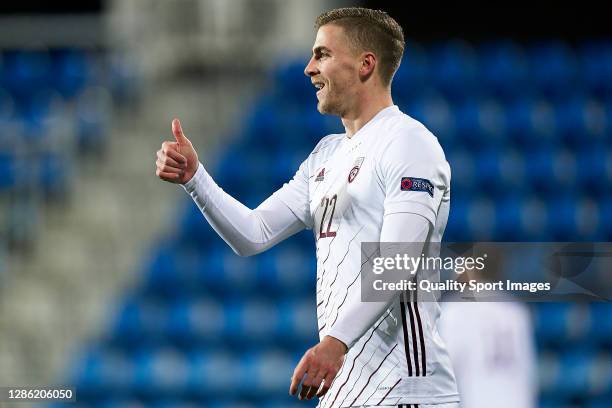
(454, 67)
(553, 68)
(504, 69)
(560, 323)
(596, 66)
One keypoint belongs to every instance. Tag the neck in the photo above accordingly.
(365, 111)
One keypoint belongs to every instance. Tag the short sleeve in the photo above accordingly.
(295, 195)
(414, 173)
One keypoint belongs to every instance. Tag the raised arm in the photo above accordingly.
(246, 231)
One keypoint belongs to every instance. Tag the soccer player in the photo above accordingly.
(385, 179)
(491, 347)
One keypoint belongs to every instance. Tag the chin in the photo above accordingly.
(326, 108)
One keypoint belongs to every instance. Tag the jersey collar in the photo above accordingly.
(389, 110)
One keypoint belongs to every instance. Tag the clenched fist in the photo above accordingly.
(177, 162)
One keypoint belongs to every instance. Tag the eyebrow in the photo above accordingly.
(319, 49)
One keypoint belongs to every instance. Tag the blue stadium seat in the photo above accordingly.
(257, 320)
(172, 270)
(464, 174)
(540, 174)
(55, 173)
(581, 121)
(605, 216)
(24, 72)
(488, 171)
(436, 114)
(161, 372)
(481, 219)
(197, 321)
(8, 171)
(70, 71)
(531, 122)
(293, 86)
(457, 227)
(269, 371)
(513, 171)
(596, 67)
(287, 269)
(594, 169)
(413, 75)
(553, 68)
(560, 323)
(600, 330)
(141, 321)
(93, 119)
(565, 177)
(574, 372)
(562, 215)
(454, 67)
(504, 69)
(508, 215)
(101, 372)
(215, 373)
(298, 323)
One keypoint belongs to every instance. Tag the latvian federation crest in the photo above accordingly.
(355, 170)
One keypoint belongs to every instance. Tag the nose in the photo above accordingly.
(310, 69)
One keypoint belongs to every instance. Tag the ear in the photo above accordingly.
(368, 64)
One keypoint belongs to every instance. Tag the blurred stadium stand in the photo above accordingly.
(526, 127)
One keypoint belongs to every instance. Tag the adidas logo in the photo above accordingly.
(321, 175)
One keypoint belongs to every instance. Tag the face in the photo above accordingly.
(334, 70)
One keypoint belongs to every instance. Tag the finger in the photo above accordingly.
(177, 130)
(161, 166)
(173, 177)
(298, 373)
(310, 384)
(327, 383)
(316, 384)
(304, 391)
(176, 156)
(166, 159)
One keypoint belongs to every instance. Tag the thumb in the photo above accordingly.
(177, 130)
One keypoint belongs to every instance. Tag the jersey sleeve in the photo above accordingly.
(295, 195)
(359, 316)
(414, 173)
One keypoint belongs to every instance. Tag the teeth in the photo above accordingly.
(318, 86)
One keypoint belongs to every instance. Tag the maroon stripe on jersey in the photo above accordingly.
(388, 392)
(329, 249)
(415, 349)
(360, 351)
(348, 247)
(349, 286)
(422, 338)
(406, 341)
(372, 375)
(392, 369)
(322, 327)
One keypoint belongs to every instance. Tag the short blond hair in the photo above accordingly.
(370, 30)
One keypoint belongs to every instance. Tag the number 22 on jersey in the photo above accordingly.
(329, 207)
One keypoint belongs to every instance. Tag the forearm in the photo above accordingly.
(361, 316)
(246, 231)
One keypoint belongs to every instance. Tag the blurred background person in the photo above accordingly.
(491, 343)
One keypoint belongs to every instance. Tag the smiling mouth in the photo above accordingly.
(319, 86)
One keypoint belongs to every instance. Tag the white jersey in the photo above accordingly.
(343, 191)
(491, 348)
